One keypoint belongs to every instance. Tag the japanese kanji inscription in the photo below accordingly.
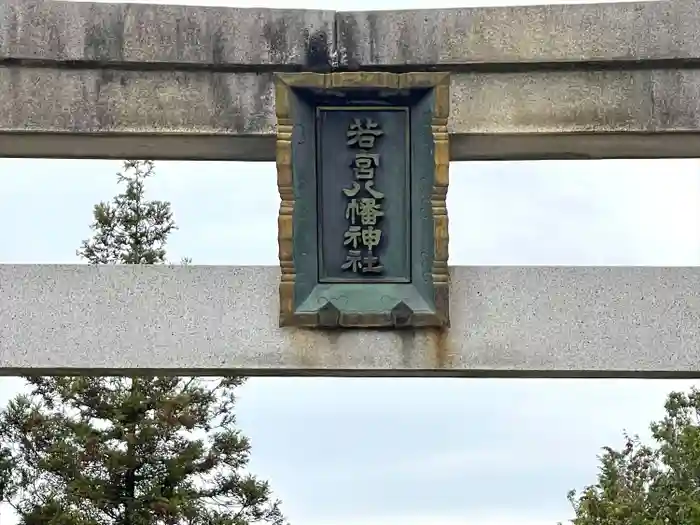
(364, 188)
(363, 239)
(362, 163)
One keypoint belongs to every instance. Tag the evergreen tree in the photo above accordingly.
(649, 484)
(129, 451)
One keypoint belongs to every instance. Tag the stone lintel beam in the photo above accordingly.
(199, 114)
(142, 35)
(544, 35)
(510, 321)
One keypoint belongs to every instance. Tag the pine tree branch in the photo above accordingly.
(127, 451)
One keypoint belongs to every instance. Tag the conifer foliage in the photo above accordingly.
(130, 451)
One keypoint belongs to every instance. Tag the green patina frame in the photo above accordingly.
(304, 300)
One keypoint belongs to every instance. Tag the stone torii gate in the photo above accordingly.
(89, 80)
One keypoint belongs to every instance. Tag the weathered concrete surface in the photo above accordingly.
(199, 114)
(174, 82)
(549, 322)
(216, 36)
(118, 34)
(123, 101)
(545, 34)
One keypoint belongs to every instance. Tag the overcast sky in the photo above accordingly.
(404, 452)
(400, 452)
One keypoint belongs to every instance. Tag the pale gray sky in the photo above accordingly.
(404, 451)
(407, 451)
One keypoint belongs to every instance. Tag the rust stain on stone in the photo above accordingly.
(314, 348)
(304, 344)
(442, 354)
(413, 348)
(333, 338)
(408, 347)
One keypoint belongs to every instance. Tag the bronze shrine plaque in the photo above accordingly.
(362, 171)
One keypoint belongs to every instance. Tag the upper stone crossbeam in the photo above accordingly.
(178, 82)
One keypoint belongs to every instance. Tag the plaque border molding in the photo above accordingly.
(328, 316)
